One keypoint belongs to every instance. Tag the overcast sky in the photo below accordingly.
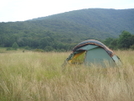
(20, 10)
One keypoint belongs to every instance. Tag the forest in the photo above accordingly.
(61, 32)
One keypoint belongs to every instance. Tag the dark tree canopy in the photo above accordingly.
(125, 41)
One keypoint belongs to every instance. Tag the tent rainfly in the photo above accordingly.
(91, 52)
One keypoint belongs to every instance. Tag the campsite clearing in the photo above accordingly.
(38, 76)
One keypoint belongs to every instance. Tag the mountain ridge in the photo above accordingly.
(69, 28)
(95, 17)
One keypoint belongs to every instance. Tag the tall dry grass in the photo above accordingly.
(32, 76)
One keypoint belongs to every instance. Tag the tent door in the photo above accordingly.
(78, 58)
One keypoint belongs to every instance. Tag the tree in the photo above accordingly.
(15, 46)
(48, 48)
(125, 40)
(132, 47)
(108, 41)
(114, 44)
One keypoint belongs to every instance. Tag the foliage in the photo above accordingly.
(15, 46)
(132, 47)
(38, 50)
(125, 41)
(63, 31)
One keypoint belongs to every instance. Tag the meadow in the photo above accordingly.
(38, 76)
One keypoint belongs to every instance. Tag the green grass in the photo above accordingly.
(33, 76)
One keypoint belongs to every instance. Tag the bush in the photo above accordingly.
(132, 47)
(15, 46)
(27, 48)
(9, 48)
(39, 50)
(48, 48)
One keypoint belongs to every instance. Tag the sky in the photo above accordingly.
(21, 10)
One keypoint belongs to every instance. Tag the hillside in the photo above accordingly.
(94, 21)
(66, 29)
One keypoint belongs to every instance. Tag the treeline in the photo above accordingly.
(46, 41)
(125, 41)
(57, 42)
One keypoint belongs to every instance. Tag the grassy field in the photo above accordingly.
(34, 76)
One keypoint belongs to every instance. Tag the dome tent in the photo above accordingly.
(91, 52)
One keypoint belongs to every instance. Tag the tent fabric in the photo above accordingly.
(78, 58)
(93, 42)
(87, 47)
(117, 60)
(98, 56)
(92, 52)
